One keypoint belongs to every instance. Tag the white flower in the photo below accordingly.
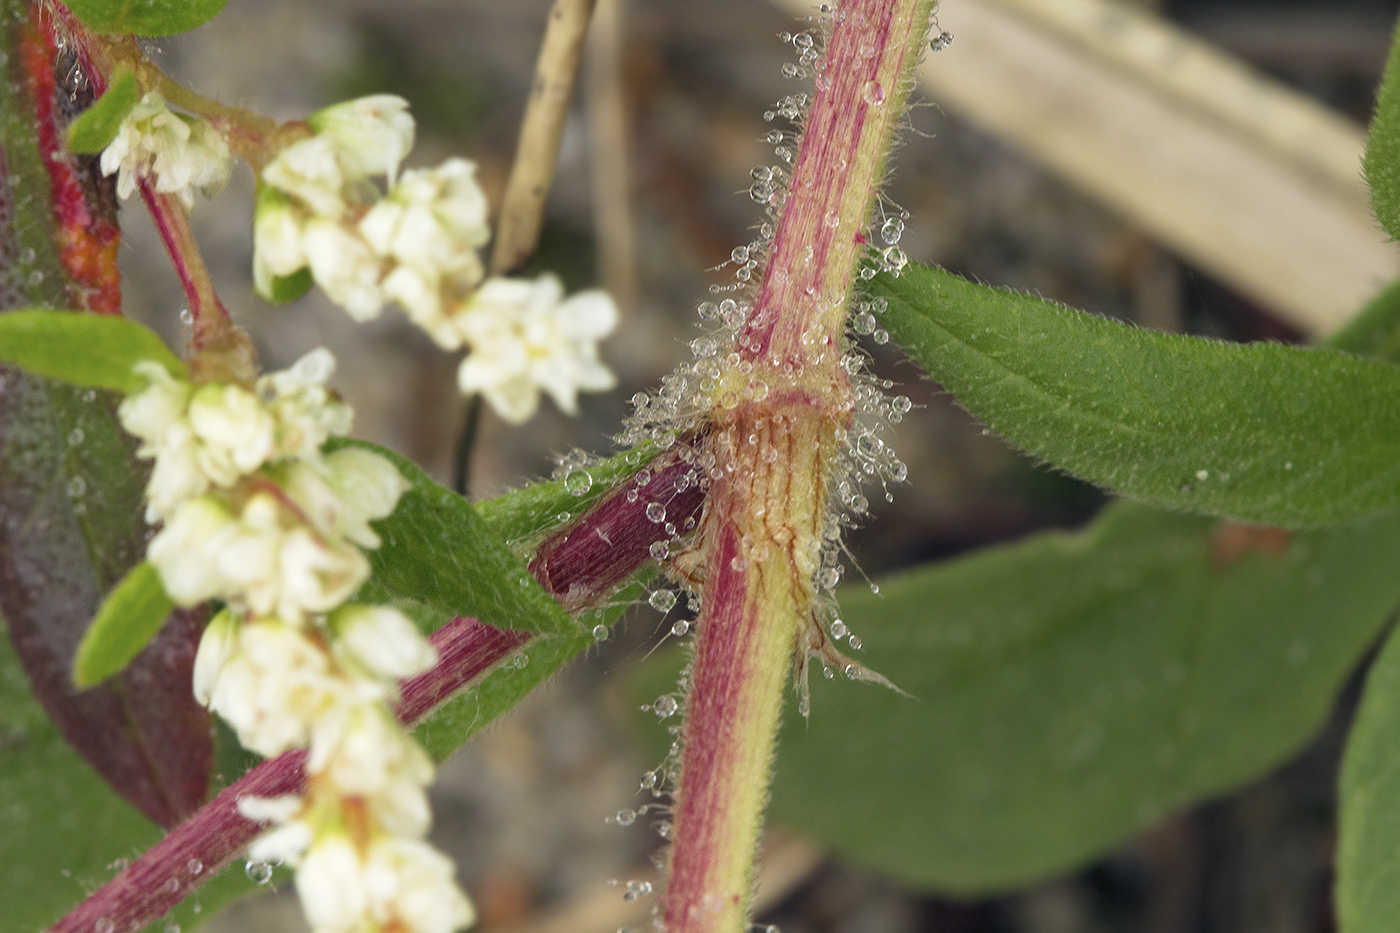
(309, 171)
(307, 414)
(273, 564)
(524, 339)
(429, 227)
(343, 492)
(401, 884)
(277, 684)
(156, 415)
(235, 433)
(332, 886)
(371, 135)
(345, 268)
(277, 240)
(410, 882)
(419, 291)
(178, 153)
(382, 640)
(291, 834)
(434, 218)
(363, 752)
(216, 646)
(187, 551)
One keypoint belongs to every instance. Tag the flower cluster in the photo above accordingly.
(415, 244)
(179, 154)
(257, 517)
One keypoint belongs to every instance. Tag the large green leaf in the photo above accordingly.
(1368, 860)
(145, 17)
(1071, 689)
(1263, 432)
(1382, 161)
(437, 550)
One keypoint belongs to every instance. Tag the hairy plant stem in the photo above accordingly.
(777, 422)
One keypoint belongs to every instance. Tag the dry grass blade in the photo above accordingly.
(538, 149)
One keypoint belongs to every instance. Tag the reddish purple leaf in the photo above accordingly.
(70, 487)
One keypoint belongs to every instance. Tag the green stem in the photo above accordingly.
(776, 418)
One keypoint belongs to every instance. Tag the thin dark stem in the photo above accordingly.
(466, 441)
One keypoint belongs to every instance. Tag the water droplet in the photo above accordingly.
(940, 42)
(1203, 474)
(194, 866)
(839, 629)
(186, 317)
(656, 512)
(803, 40)
(636, 889)
(648, 780)
(600, 632)
(662, 600)
(104, 925)
(172, 927)
(626, 817)
(578, 482)
(259, 873)
(789, 70)
(832, 219)
(665, 707)
(680, 628)
(1288, 465)
(740, 254)
(854, 642)
(891, 230)
(172, 885)
(521, 661)
(873, 92)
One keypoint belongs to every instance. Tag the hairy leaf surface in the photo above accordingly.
(1261, 432)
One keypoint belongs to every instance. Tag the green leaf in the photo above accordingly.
(145, 17)
(1071, 689)
(437, 550)
(526, 513)
(454, 723)
(466, 714)
(1368, 858)
(1262, 432)
(1375, 329)
(1382, 160)
(96, 127)
(91, 350)
(288, 288)
(129, 618)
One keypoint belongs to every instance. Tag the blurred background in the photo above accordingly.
(1188, 165)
